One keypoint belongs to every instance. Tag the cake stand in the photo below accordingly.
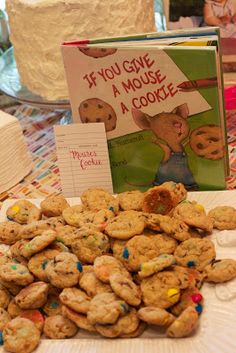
(11, 86)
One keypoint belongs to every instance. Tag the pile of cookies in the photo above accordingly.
(110, 265)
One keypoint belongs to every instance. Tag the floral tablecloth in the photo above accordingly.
(37, 125)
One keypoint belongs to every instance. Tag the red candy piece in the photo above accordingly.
(196, 298)
(33, 315)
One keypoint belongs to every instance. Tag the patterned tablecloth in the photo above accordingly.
(37, 125)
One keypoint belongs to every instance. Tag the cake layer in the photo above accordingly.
(38, 27)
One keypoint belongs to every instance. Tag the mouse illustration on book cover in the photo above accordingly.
(172, 134)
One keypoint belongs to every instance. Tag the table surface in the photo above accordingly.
(37, 125)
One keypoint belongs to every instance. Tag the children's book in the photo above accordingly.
(187, 14)
(160, 98)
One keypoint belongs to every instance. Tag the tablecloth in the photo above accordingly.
(37, 125)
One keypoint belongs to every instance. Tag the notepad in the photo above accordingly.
(83, 158)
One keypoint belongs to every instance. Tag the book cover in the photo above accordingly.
(161, 106)
(201, 13)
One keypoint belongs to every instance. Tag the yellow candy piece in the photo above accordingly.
(147, 269)
(173, 295)
(199, 207)
(15, 209)
(177, 323)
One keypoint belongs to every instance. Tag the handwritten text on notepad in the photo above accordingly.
(86, 159)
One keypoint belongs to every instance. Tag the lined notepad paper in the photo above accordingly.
(83, 158)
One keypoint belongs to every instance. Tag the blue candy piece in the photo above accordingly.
(44, 264)
(125, 253)
(1, 338)
(54, 305)
(191, 264)
(79, 266)
(124, 307)
(199, 308)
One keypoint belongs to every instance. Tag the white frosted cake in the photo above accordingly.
(38, 27)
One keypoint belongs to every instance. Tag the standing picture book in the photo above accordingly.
(162, 106)
(222, 13)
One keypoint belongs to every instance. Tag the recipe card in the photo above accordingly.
(83, 158)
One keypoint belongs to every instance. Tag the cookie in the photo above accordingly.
(105, 266)
(33, 296)
(38, 243)
(125, 325)
(96, 199)
(53, 205)
(131, 200)
(161, 290)
(39, 261)
(105, 308)
(126, 225)
(195, 253)
(158, 200)
(97, 52)
(142, 248)
(155, 265)
(126, 289)
(90, 244)
(64, 270)
(59, 327)
(79, 319)
(75, 299)
(9, 232)
(16, 274)
(92, 285)
(156, 316)
(20, 335)
(4, 318)
(220, 271)
(223, 217)
(23, 212)
(193, 215)
(95, 110)
(185, 324)
(207, 142)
